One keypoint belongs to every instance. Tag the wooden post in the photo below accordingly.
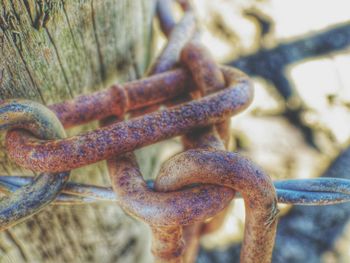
(53, 50)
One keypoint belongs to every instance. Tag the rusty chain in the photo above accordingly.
(32, 197)
(192, 187)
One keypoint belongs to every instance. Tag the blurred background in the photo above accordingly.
(297, 53)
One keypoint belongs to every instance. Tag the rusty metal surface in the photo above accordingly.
(166, 213)
(31, 198)
(66, 154)
(208, 79)
(122, 98)
(260, 231)
(162, 209)
(99, 144)
(174, 243)
(191, 194)
(230, 170)
(168, 244)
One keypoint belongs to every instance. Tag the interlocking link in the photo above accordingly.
(162, 209)
(207, 165)
(77, 151)
(192, 188)
(229, 169)
(208, 79)
(30, 199)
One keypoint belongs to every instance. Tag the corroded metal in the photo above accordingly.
(162, 209)
(122, 98)
(192, 187)
(164, 212)
(30, 199)
(168, 244)
(204, 138)
(208, 79)
(230, 170)
(118, 138)
(137, 94)
(95, 146)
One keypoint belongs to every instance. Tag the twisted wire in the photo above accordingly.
(316, 191)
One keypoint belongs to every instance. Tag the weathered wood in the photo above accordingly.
(53, 50)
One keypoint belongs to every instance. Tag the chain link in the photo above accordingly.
(190, 195)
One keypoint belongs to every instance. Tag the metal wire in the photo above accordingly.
(316, 191)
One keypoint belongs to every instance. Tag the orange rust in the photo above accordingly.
(191, 235)
(230, 170)
(168, 244)
(207, 76)
(206, 72)
(122, 98)
(205, 138)
(192, 186)
(34, 196)
(166, 213)
(162, 209)
(208, 79)
(100, 144)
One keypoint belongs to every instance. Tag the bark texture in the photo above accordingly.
(54, 50)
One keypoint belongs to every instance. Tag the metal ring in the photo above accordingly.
(230, 170)
(31, 198)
